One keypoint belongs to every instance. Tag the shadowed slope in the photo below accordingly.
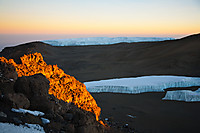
(174, 57)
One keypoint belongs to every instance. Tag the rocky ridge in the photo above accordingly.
(31, 93)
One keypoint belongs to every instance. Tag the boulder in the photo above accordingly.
(35, 88)
(8, 75)
(32, 86)
(8, 71)
(18, 100)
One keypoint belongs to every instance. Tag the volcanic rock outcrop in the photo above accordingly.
(62, 86)
(32, 93)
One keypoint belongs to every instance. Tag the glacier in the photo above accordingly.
(102, 40)
(183, 95)
(141, 84)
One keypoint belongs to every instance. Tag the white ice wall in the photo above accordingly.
(183, 95)
(102, 40)
(141, 84)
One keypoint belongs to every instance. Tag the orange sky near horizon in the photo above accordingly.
(128, 17)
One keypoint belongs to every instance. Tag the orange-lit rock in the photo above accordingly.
(62, 86)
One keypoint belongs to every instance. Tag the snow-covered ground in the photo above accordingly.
(20, 110)
(27, 128)
(102, 40)
(183, 95)
(141, 84)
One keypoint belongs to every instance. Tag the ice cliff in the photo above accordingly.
(102, 40)
(183, 95)
(141, 84)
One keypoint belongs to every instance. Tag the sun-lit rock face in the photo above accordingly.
(62, 86)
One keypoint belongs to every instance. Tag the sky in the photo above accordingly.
(52, 19)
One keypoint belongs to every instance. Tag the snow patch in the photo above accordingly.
(35, 113)
(141, 84)
(45, 121)
(34, 126)
(183, 95)
(102, 40)
(27, 128)
(2, 114)
(198, 90)
(131, 116)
